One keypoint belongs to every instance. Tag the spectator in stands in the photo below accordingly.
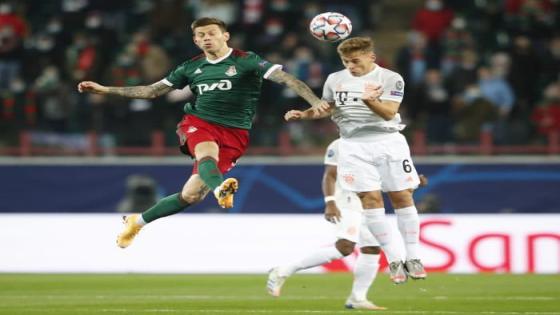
(498, 92)
(432, 107)
(535, 18)
(525, 63)
(415, 58)
(432, 20)
(455, 40)
(546, 116)
(464, 74)
(551, 60)
(153, 60)
(12, 33)
(472, 112)
(82, 57)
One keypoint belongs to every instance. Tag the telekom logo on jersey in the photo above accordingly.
(222, 85)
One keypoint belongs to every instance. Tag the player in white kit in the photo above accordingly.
(342, 208)
(374, 155)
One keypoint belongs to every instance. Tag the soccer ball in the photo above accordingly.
(330, 27)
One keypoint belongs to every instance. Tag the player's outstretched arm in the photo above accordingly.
(141, 91)
(300, 88)
(308, 114)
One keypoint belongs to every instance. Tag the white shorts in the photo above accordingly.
(381, 162)
(353, 228)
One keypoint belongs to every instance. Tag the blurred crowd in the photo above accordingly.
(468, 65)
(483, 65)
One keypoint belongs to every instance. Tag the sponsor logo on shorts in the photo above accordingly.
(192, 129)
(348, 178)
(396, 93)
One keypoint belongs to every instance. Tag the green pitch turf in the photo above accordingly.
(77, 294)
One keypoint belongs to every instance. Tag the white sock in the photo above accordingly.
(217, 191)
(380, 228)
(318, 258)
(365, 271)
(140, 220)
(409, 226)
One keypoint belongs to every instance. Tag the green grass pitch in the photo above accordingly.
(446, 294)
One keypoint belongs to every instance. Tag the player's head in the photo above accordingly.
(210, 34)
(357, 55)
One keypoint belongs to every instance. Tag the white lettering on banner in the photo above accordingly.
(222, 85)
(450, 243)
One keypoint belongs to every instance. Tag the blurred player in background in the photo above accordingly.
(344, 210)
(374, 155)
(215, 130)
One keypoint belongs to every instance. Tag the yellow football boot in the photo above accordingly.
(131, 229)
(224, 193)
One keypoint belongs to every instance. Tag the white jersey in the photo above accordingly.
(352, 116)
(344, 199)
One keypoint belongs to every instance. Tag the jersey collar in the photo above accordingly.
(220, 59)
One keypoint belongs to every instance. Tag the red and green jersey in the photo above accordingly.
(227, 90)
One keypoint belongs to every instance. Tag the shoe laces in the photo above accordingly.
(394, 266)
(415, 266)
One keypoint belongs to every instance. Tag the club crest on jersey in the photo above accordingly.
(198, 71)
(231, 71)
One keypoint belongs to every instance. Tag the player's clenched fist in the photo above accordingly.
(91, 87)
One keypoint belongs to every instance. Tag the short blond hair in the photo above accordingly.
(354, 44)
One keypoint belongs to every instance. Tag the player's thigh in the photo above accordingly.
(402, 198)
(371, 199)
(348, 227)
(356, 171)
(206, 148)
(228, 158)
(198, 138)
(397, 170)
(234, 143)
(194, 190)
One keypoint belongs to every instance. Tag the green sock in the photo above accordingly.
(166, 206)
(209, 172)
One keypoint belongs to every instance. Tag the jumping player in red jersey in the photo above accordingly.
(215, 129)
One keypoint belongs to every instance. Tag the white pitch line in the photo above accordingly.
(497, 298)
(170, 297)
(321, 312)
(245, 311)
(265, 297)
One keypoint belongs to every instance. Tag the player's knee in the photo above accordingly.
(401, 199)
(370, 250)
(191, 198)
(345, 247)
(371, 200)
